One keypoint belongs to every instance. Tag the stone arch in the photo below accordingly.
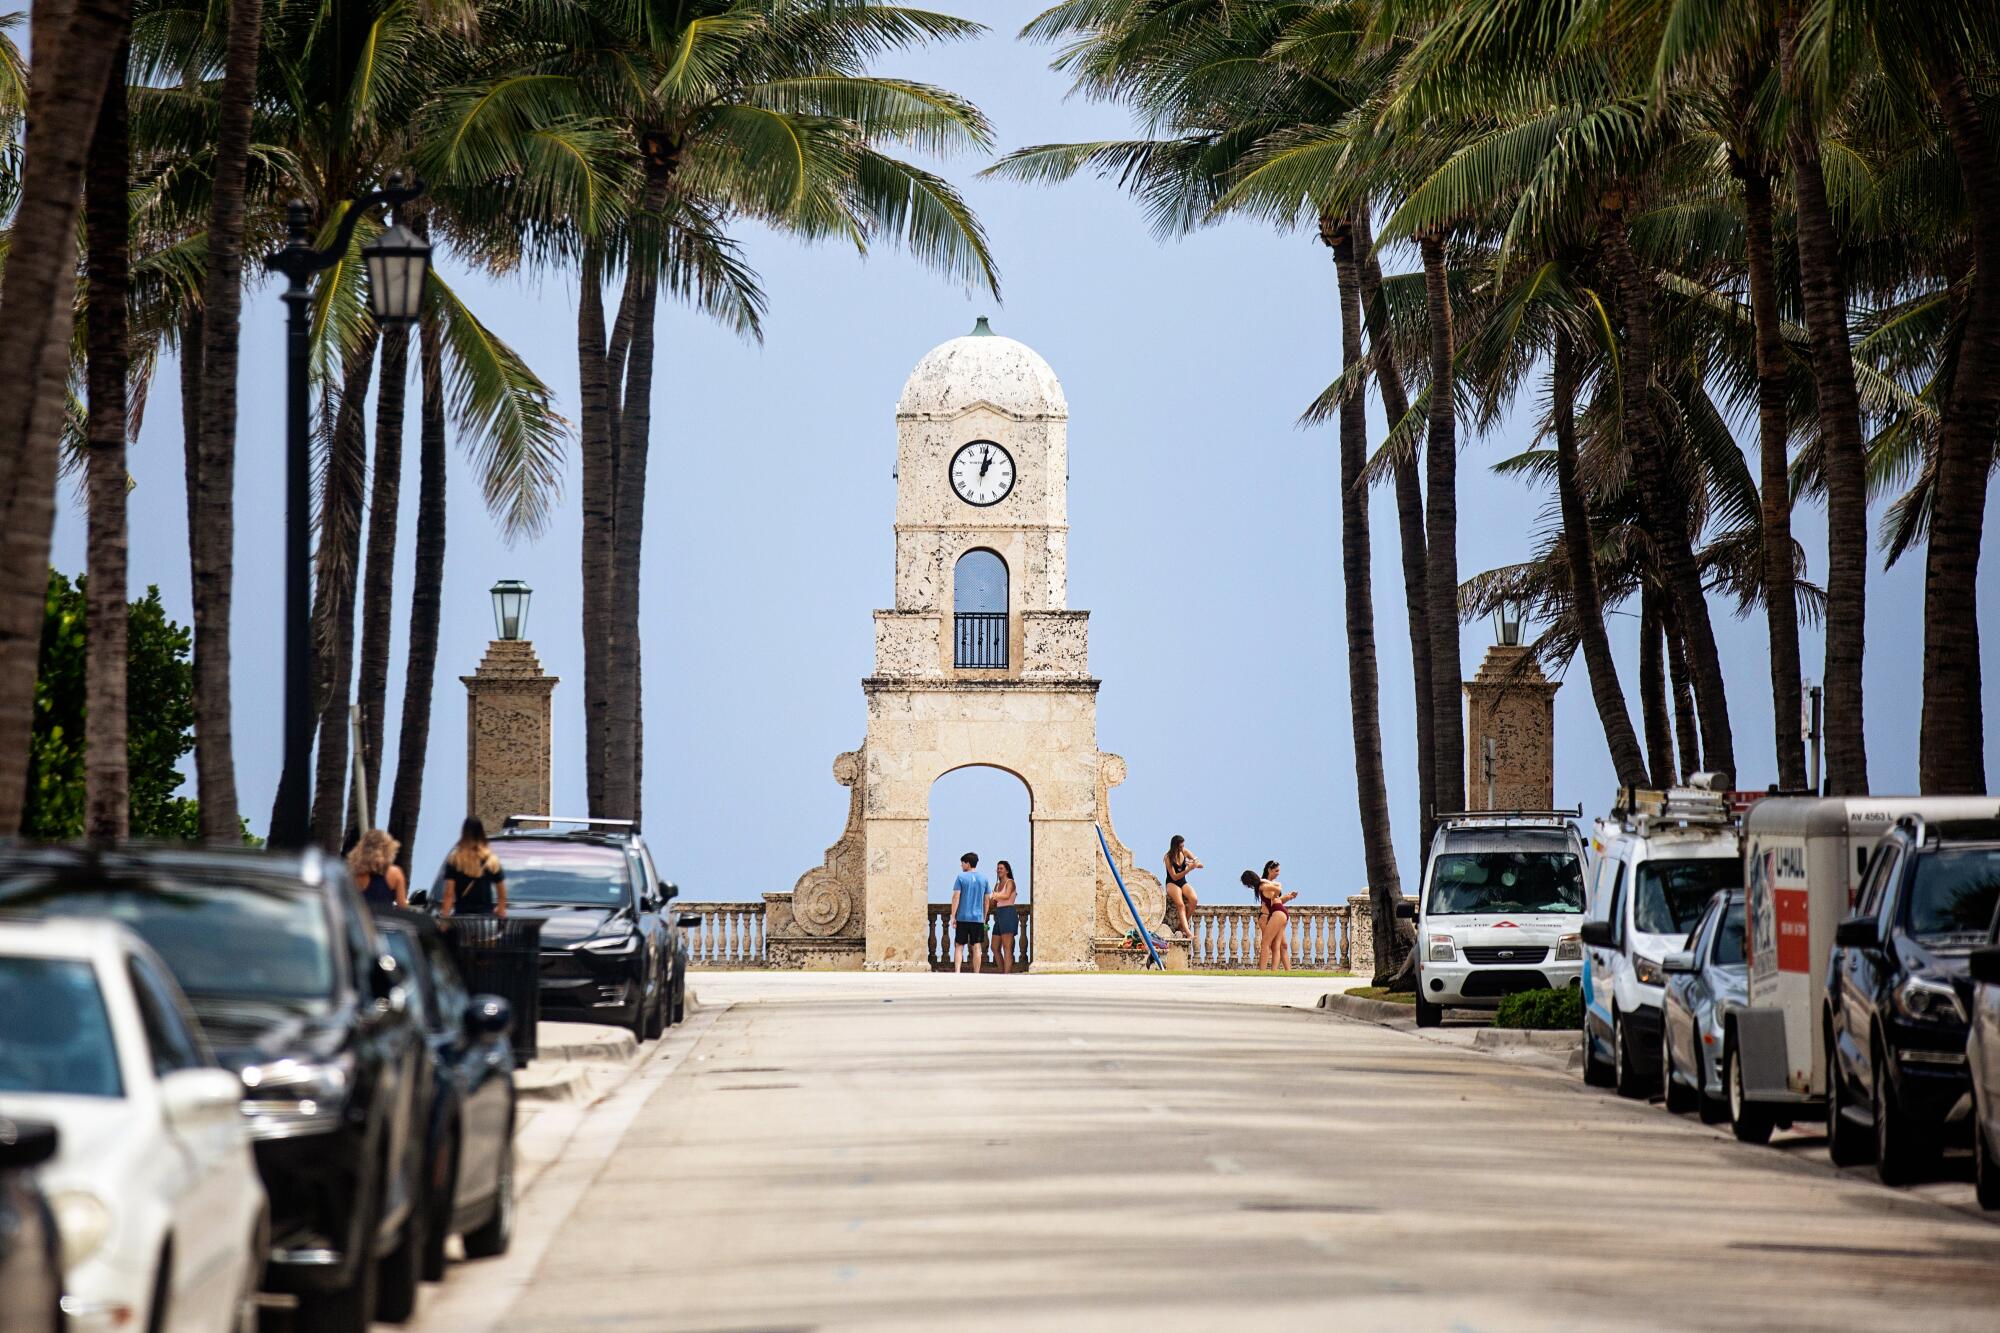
(983, 807)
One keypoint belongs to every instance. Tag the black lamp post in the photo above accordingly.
(397, 264)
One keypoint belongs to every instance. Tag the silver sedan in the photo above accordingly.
(1702, 980)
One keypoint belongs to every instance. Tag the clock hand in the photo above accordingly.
(985, 461)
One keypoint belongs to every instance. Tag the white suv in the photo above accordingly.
(1500, 909)
(1656, 868)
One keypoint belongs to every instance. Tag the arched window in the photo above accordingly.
(979, 600)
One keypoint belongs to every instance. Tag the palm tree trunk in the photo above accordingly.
(334, 577)
(380, 585)
(73, 42)
(1441, 539)
(1951, 748)
(1378, 846)
(1842, 462)
(1664, 512)
(426, 595)
(594, 391)
(1580, 555)
(628, 525)
(1686, 731)
(107, 215)
(1781, 606)
(212, 524)
(1653, 688)
(1409, 530)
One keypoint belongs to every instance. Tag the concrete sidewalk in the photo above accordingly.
(1083, 1152)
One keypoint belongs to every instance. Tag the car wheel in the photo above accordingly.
(656, 1013)
(1848, 1143)
(1712, 1110)
(401, 1269)
(1428, 1015)
(1985, 1167)
(1680, 1097)
(1897, 1154)
(678, 1014)
(163, 1291)
(1750, 1122)
(440, 1198)
(492, 1237)
(1632, 1080)
(350, 1308)
(1596, 1073)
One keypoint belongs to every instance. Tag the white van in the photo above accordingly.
(1659, 858)
(1501, 902)
(1804, 861)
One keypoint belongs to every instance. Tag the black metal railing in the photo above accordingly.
(981, 639)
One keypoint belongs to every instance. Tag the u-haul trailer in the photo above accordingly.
(1803, 862)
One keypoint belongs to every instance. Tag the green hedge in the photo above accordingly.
(1547, 1010)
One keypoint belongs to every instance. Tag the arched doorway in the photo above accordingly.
(983, 809)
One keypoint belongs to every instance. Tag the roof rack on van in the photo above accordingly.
(1474, 816)
(1647, 810)
(521, 821)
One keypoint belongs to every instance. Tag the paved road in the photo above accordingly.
(1145, 1152)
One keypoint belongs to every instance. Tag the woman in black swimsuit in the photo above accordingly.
(376, 874)
(474, 883)
(1180, 896)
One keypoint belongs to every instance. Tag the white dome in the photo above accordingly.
(983, 367)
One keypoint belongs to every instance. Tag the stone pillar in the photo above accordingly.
(508, 734)
(1510, 733)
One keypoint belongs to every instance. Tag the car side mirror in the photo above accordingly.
(1680, 961)
(1406, 911)
(690, 920)
(26, 1143)
(1985, 965)
(1599, 935)
(196, 1096)
(670, 890)
(489, 1016)
(1858, 932)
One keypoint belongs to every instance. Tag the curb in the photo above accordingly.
(1374, 1011)
(1494, 1039)
(614, 1046)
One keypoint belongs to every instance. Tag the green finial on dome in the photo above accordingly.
(982, 329)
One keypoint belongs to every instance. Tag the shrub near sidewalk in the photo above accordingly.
(1543, 1010)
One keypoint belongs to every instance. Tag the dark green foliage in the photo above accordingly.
(1544, 1010)
(160, 706)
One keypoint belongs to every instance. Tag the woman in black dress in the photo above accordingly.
(474, 883)
(376, 874)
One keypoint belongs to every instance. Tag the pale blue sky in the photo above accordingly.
(1204, 540)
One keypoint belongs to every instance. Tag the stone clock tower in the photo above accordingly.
(980, 662)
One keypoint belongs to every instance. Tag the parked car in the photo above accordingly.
(1498, 914)
(31, 1284)
(1658, 864)
(154, 1189)
(468, 1110)
(1899, 994)
(609, 944)
(1982, 1059)
(1702, 980)
(282, 964)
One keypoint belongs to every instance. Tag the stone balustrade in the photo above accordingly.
(1322, 937)
(730, 935)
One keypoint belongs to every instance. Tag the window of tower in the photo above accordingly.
(979, 600)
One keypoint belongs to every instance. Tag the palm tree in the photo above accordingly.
(75, 43)
(107, 225)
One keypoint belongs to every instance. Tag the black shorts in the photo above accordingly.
(970, 932)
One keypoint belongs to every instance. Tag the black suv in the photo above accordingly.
(1898, 994)
(611, 953)
(282, 963)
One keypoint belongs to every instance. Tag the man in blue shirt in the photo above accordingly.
(968, 913)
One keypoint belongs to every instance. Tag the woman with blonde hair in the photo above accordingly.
(373, 864)
(474, 883)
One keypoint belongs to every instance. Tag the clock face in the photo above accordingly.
(982, 473)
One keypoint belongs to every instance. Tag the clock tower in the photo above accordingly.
(979, 662)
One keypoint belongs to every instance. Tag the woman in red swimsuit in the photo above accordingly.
(1271, 926)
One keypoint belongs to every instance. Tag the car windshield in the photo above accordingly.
(58, 1034)
(244, 940)
(583, 875)
(1952, 894)
(1494, 880)
(1729, 939)
(1673, 894)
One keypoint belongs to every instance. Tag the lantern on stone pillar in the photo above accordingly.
(510, 609)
